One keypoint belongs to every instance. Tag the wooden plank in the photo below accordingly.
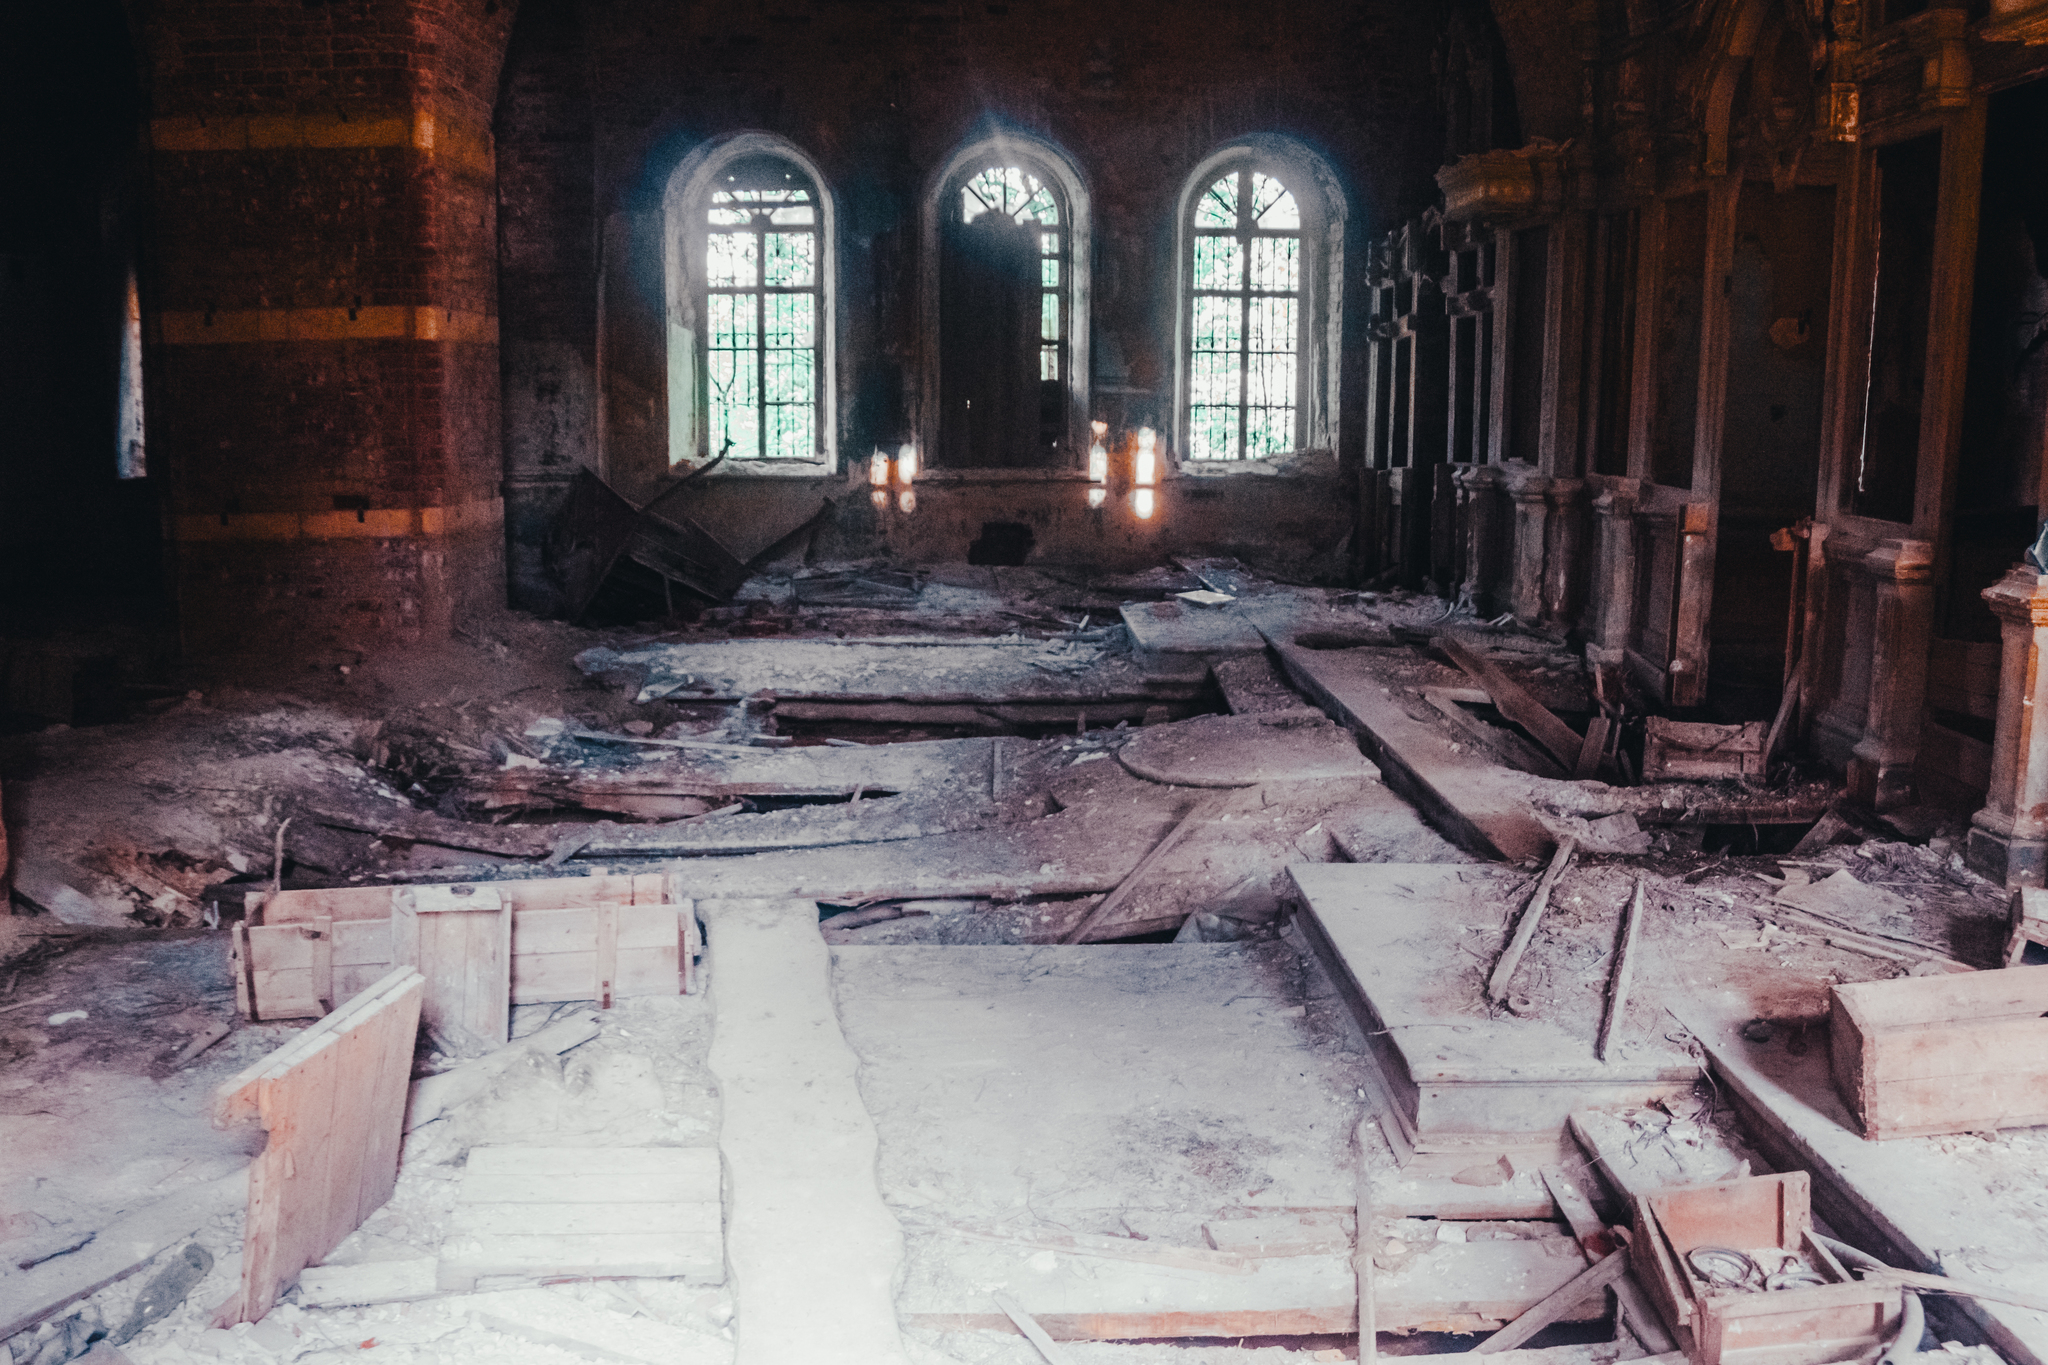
(1624, 974)
(523, 893)
(1033, 1333)
(698, 1256)
(463, 947)
(1085, 1244)
(117, 1251)
(348, 1286)
(1596, 1241)
(1367, 1243)
(697, 1163)
(1593, 751)
(1290, 1234)
(607, 954)
(1525, 928)
(1477, 1286)
(582, 1187)
(1105, 909)
(1512, 700)
(487, 1220)
(436, 1095)
(332, 1100)
(1554, 1305)
(321, 967)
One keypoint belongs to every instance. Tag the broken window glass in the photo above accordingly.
(763, 312)
(1245, 334)
(1029, 200)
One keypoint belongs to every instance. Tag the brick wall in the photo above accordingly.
(322, 312)
(603, 98)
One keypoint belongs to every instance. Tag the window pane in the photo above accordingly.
(730, 217)
(1268, 431)
(790, 323)
(1272, 205)
(1049, 317)
(1276, 264)
(732, 322)
(1218, 205)
(1212, 432)
(730, 259)
(1048, 244)
(1049, 272)
(734, 403)
(1048, 362)
(1042, 208)
(1217, 263)
(1272, 326)
(789, 418)
(789, 259)
(972, 206)
(1219, 324)
(800, 215)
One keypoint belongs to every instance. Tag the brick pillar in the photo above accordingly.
(322, 311)
(2009, 837)
(1881, 768)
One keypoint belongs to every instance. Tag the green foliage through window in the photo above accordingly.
(763, 310)
(1245, 319)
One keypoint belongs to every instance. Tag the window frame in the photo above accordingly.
(686, 229)
(1054, 169)
(1323, 214)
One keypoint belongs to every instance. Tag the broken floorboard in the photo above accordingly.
(935, 672)
(1391, 936)
(1461, 792)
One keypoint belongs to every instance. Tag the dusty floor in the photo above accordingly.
(397, 766)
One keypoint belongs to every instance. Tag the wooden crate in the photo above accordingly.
(1843, 1321)
(301, 970)
(1675, 750)
(1943, 1054)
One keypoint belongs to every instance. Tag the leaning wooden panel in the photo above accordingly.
(333, 1102)
(1943, 1054)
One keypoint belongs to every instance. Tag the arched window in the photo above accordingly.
(1261, 250)
(749, 298)
(1007, 238)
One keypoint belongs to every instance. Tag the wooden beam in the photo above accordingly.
(1596, 1241)
(1556, 1304)
(1103, 912)
(1514, 702)
(1525, 928)
(1624, 972)
(1033, 1333)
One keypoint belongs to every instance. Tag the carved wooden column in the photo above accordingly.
(1902, 575)
(1526, 485)
(1564, 547)
(1614, 576)
(2009, 837)
(1481, 513)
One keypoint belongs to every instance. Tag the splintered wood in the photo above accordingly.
(539, 1212)
(333, 1102)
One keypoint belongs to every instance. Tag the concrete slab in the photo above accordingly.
(1409, 946)
(1480, 806)
(812, 1251)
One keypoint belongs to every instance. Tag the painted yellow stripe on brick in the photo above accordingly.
(383, 523)
(434, 134)
(390, 323)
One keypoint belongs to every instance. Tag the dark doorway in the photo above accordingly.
(989, 351)
(1001, 542)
